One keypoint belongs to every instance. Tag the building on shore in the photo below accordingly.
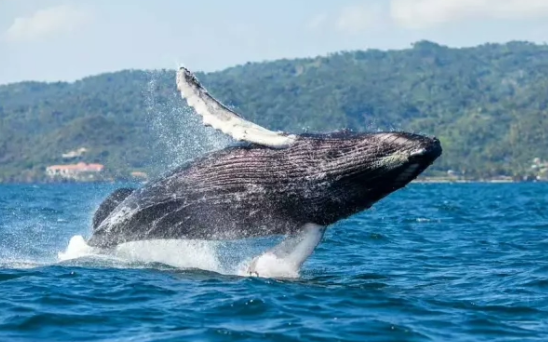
(139, 175)
(78, 172)
(75, 154)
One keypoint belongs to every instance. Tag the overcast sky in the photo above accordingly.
(69, 39)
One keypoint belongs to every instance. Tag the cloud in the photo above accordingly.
(349, 19)
(317, 22)
(358, 18)
(47, 22)
(417, 14)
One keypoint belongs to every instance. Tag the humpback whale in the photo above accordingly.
(270, 183)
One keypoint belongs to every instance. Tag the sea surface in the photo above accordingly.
(433, 262)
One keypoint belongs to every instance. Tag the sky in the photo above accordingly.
(52, 40)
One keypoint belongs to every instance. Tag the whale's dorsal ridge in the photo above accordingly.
(220, 117)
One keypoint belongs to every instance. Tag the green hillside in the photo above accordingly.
(487, 104)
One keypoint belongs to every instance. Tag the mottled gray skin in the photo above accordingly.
(109, 204)
(251, 190)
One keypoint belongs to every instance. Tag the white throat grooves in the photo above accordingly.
(218, 116)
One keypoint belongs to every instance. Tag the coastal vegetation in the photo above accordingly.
(487, 104)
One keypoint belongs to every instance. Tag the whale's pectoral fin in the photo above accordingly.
(220, 117)
(109, 204)
(287, 257)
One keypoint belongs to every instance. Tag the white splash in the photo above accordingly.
(77, 248)
(184, 254)
(282, 261)
(179, 133)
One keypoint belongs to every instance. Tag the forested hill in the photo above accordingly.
(487, 104)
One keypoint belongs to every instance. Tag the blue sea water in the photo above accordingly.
(433, 262)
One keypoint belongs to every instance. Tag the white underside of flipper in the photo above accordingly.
(285, 259)
(220, 117)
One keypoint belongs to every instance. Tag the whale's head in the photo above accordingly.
(355, 170)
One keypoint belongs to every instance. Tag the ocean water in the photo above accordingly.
(433, 262)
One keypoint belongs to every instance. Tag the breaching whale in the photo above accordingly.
(271, 183)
